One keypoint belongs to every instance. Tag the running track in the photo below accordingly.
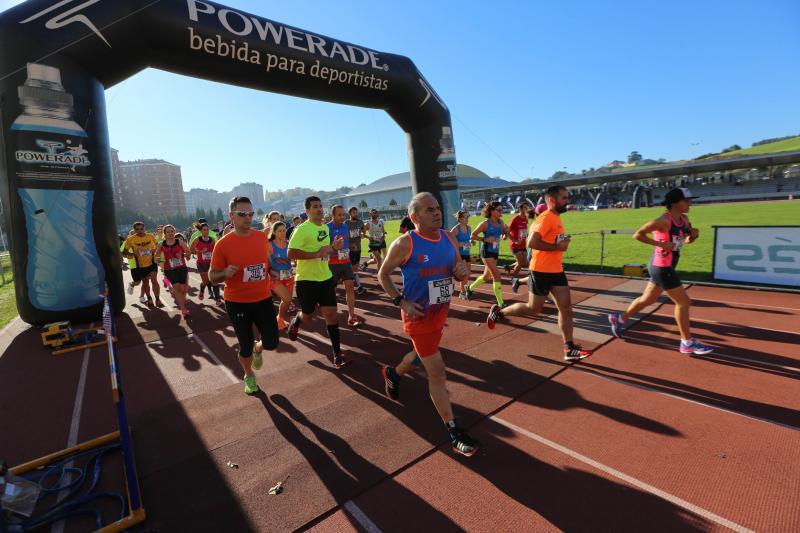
(635, 438)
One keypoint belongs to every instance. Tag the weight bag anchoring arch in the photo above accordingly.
(57, 57)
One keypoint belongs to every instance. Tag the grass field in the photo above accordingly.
(779, 146)
(8, 305)
(695, 263)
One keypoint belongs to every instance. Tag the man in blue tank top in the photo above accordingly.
(429, 260)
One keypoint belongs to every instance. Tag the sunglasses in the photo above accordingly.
(244, 213)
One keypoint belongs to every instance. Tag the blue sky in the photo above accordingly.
(533, 88)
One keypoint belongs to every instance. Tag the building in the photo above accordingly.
(153, 187)
(395, 190)
(207, 199)
(251, 190)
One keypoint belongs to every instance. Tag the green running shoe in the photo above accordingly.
(258, 356)
(250, 385)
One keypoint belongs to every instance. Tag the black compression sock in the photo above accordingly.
(333, 333)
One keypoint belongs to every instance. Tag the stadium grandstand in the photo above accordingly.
(761, 177)
(391, 194)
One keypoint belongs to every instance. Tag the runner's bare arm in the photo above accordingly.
(219, 276)
(659, 224)
(694, 233)
(397, 254)
(536, 242)
(477, 231)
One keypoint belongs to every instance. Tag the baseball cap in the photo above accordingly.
(676, 195)
(541, 208)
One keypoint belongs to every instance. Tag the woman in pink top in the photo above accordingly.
(670, 232)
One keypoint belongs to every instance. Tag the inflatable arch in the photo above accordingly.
(58, 56)
(642, 197)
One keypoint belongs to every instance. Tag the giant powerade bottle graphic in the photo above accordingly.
(55, 184)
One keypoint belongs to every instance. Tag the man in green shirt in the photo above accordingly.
(311, 246)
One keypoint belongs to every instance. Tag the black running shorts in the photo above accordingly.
(540, 283)
(140, 273)
(248, 314)
(177, 275)
(313, 293)
(665, 277)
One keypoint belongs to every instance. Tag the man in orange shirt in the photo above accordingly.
(241, 260)
(548, 241)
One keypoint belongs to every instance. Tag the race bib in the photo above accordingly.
(355, 234)
(145, 252)
(464, 246)
(440, 290)
(285, 274)
(175, 262)
(523, 234)
(207, 256)
(561, 237)
(679, 241)
(343, 254)
(252, 273)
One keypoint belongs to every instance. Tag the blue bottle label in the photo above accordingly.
(52, 161)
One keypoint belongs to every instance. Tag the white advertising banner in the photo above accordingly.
(767, 255)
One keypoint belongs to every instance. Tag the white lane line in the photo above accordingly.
(714, 354)
(359, 516)
(212, 355)
(628, 479)
(704, 321)
(72, 439)
(10, 325)
(645, 387)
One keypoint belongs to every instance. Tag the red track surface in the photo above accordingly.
(635, 438)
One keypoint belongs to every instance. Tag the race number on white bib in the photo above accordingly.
(344, 254)
(254, 273)
(561, 237)
(206, 256)
(679, 241)
(355, 234)
(440, 290)
(145, 252)
(285, 274)
(464, 246)
(523, 234)
(175, 262)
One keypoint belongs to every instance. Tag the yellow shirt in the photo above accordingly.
(143, 247)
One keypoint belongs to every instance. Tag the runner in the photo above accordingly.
(240, 259)
(377, 239)
(428, 258)
(493, 230)
(310, 246)
(518, 234)
(462, 232)
(296, 221)
(516, 282)
(143, 245)
(174, 250)
(198, 230)
(339, 263)
(270, 219)
(203, 247)
(281, 274)
(406, 225)
(670, 232)
(549, 242)
(355, 227)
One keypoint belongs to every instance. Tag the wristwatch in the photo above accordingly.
(397, 299)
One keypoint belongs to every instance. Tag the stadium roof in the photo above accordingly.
(467, 177)
(679, 169)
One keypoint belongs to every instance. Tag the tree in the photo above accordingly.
(559, 175)
(260, 212)
(732, 148)
(362, 204)
(634, 157)
(220, 216)
(392, 202)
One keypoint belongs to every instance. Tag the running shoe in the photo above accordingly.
(250, 385)
(281, 324)
(143, 299)
(576, 353)
(258, 356)
(294, 327)
(220, 303)
(130, 287)
(360, 290)
(468, 294)
(508, 269)
(515, 285)
(392, 382)
(463, 443)
(617, 324)
(495, 314)
(159, 303)
(201, 295)
(363, 267)
(340, 360)
(695, 347)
